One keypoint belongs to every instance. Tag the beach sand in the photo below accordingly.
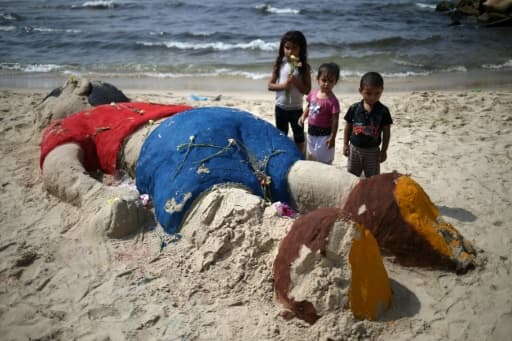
(60, 280)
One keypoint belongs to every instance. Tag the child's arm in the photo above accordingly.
(386, 134)
(303, 83)
(331, 142)
(346, 137)
(272, 83)
(304, 116)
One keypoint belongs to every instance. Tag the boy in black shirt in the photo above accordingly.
(367, 125)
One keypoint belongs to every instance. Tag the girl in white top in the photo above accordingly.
(291, 80)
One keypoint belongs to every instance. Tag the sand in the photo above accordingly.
(61, 280)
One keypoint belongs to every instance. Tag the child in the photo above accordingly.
(291, 80)
(367, 125)
(322, 111)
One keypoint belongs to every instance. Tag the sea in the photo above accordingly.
(186, 38)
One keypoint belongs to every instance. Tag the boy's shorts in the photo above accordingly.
(365, 160)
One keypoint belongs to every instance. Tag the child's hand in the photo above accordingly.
(301, 120)
(331, 142)
(290, 81)
(345, 150)
(383, 156)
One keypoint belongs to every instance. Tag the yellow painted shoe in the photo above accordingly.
(405, 222)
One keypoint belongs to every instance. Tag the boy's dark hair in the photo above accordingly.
(329, 69)
(372, 80)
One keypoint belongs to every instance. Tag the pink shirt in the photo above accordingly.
(321, 110)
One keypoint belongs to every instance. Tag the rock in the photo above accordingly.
(469, 7)
(491, 17)
(486, 13)
(498, 5)
(445, 6)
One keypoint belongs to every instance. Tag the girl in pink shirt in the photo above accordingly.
(322, 112)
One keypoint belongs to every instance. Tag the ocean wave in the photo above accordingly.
(161, 33)
(506, 65)
(189, 72)
(266, 8)
(393, 42)
(7, 28)
(407, 63)
(30, 67)
(257, 44)
(372, 46)
(96, 5)
(344, 74)
(194, 35)
(405, 74)
(400, 74)
(9, 17)
(215, 73)
(51, 30)
(400, 6)
(106, 4)
(171, 75)
(354, 11)
(425, 6)
(456, 68)
(244, 74)
(201, 34)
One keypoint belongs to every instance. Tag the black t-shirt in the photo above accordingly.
(367, 127)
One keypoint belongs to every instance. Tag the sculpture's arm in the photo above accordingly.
(116, 211)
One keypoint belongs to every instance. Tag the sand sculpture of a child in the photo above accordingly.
(183, 156)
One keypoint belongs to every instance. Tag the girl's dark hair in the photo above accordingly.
(372, 80)
(297, 38)
(329, 69)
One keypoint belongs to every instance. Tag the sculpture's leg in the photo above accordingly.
(314, 184)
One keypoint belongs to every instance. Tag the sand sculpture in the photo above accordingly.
(338, 241)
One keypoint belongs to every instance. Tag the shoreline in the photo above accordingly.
(215, 85)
